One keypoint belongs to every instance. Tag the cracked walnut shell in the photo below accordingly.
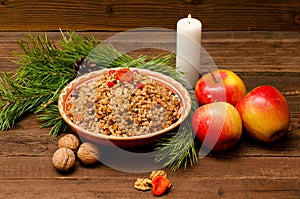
(69, 141)
(88, 154)
(64, 159)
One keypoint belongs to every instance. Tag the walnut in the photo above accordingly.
(64, 159)
(143, 184)
(88, 154)
(69, 141)
(156, 173)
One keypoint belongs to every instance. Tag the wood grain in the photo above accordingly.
(236, 178)
(251, 169)
(106, 15)
(200, 189)
(251, 51)
(27, 139)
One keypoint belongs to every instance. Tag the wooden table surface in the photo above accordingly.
(251, 169)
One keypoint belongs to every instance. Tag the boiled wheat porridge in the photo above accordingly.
(123, 103)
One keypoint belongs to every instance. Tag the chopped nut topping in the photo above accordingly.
(124, 108)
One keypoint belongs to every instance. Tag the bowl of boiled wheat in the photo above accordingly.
(127, 107)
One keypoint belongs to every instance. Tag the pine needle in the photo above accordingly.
(45, 69)
(177, 150)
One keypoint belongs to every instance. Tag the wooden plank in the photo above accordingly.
(27, 139)
(233, 177)
(274, 52)
(169, 37)
(34, 167)
(120, 15)
(251, 169)
(123, 188)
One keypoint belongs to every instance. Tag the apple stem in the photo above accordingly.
(212, 74)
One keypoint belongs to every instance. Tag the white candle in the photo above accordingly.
(188, 49)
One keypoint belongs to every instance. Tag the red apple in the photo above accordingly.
(265, 113)
(217, 125)
(220, 85)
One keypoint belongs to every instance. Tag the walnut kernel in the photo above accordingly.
(156, 173)
(63, 159)
(88, 154)
(143, 184)
(69, 141)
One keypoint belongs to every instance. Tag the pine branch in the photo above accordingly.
(51, 118)
(16, 100)
(46, 69)
(164, 65)
(75, 46)
(177, 150)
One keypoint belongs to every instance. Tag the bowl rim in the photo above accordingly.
(164, 79)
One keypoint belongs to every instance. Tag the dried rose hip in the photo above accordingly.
(124, 75)
(136, 71)
(110, 84)
(140, 85)
(160, 185)
(111, 72)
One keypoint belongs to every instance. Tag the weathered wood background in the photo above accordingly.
(118, 15)
(258, 39)
(251, 169)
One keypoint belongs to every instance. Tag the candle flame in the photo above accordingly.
(189, 17)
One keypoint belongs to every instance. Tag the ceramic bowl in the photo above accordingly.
(133, 141)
